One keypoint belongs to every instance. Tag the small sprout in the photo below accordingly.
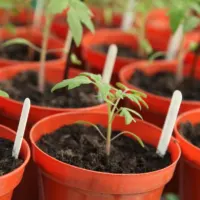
(111, 97)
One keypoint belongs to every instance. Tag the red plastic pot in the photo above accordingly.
(158, 105)
(35, 36)
(96, 59)
(10, 112)
(158, 27)
(190, 165)
(190, 38)
(63, 181)
(54, 73)
(11, 180)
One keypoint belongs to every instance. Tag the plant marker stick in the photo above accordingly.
(175, 43)
(21, 128)
(110, 63)
(169, 123)
(129, 16)
(38, 13)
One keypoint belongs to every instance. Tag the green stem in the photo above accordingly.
(109, 131)
(46, 32)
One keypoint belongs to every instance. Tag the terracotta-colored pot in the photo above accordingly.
(157, 28)
(63, 181)
(35, 36)
(10, 112)
(10, 181)
(96, 59)
(190, 163)
(158, 105)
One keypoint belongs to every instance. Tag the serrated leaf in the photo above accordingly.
(55, 7)
(95, 77)
(121, 86)
(134, 99)
(104, 90)
(75, 26)
(3, 94)
(136, 92)
(119, 94)
(142, 101)
(84, 13)
(75, 60)
(72, 83)
(135, 113)
(126, 114)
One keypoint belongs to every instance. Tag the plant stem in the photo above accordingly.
(109, 131)
(46, 32)
(179, 72)
(69, 44)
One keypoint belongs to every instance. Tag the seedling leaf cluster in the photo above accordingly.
(112, 97)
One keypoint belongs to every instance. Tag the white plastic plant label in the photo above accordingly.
(21, 128)
(169, 123)
(128, 16)
(175, 43)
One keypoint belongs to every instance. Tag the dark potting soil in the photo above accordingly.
(7, 162)
(83, 146)
(191, 132)
(164, 84)
(123, 51)
(24, 85)
(21, 52)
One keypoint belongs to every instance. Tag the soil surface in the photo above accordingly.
(25, 85)
(191, 132)
(164, 84)
(7, 162)
(123, 51)
(83, 146)
(21, 52)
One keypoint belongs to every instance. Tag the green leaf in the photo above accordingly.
(121, 86)
(72, 83)
(75, 25)
(75, 60)
(134, 99)
(3, 94)
(142, 101)
(171, 197)
(55, 7)
(104, 90)
(126, 114)
(176, 17)
(135, 113)
(84, 13)
(119, 94)
(191, 23)
(95, 77)
(136, 92)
